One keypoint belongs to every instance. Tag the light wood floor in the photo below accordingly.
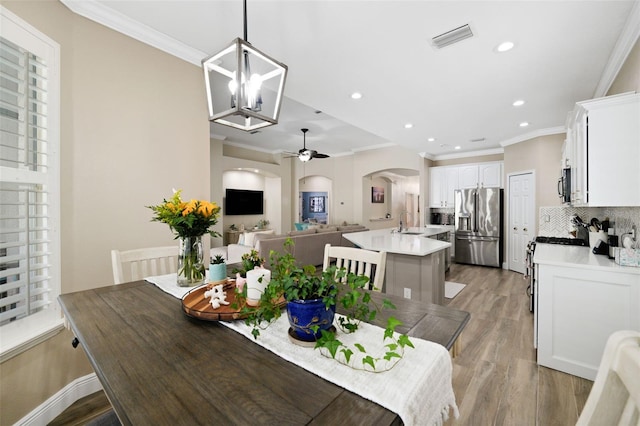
(495, 377)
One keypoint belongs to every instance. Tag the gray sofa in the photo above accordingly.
(309, 244)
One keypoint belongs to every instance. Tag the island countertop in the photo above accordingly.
(413, 242)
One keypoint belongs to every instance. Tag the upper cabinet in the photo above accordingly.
(603, 151)
(483, 175)
(446, 179)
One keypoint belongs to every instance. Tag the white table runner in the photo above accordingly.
(418, 388)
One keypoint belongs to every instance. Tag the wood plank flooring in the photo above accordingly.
(495, 377)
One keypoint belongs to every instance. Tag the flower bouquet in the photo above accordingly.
(189, 221)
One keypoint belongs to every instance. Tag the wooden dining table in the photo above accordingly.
(160, 366)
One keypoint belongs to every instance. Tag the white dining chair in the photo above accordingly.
(359, 261)
(131, 265)
(615, 396)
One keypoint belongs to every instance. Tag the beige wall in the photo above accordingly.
(628, 78)
(133, 126)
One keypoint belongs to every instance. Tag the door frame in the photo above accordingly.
(507, 264)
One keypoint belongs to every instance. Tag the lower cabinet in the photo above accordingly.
(578, 309)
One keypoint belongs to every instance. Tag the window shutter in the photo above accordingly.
(25, 245)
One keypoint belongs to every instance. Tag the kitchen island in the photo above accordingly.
(415, 260)
(581, 299)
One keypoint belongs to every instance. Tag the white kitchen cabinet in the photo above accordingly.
(468, 176)
(443, 183)
(490, 175)
(579, 306)
(603, 150)
(483, 175)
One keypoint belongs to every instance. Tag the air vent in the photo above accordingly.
(453, 36)
(253, 132)
(477, 140)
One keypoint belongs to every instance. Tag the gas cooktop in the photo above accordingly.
(561, 241)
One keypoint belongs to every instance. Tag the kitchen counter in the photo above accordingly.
(413, 242)
(578, 257)
(415, 261)
(581, 299)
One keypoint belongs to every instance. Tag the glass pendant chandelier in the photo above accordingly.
(244, 86)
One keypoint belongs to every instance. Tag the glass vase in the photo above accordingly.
(191, 270)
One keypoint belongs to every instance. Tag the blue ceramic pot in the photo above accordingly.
(303, 314)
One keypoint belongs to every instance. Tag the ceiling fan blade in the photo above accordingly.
(319, 155)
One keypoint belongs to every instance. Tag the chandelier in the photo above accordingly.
(244, 86)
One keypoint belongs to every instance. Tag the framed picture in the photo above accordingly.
(377, 194)
(316, 204)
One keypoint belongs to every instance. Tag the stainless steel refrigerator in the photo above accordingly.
(478, 226)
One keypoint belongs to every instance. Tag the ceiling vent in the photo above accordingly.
(453, 36)
(477, 140)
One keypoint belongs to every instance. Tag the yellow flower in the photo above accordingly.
(187, 219)
(189, 207)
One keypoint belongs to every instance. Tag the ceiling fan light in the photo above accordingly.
(305, 156)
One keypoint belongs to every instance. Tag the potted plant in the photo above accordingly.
(217, 268)
(310, 297)
(311, 300)
(249, 261)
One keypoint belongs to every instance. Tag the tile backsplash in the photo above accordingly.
(556, 221)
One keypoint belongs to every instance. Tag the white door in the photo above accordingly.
(521, 218)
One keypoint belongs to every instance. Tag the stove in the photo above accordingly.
(562, 241)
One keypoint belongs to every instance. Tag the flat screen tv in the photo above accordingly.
(243, 202)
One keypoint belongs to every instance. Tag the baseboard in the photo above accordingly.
(55, 405)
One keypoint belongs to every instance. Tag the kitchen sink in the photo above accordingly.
(412, 233)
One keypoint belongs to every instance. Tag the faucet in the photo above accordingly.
(407, 214)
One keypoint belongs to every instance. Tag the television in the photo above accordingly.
(243, 202)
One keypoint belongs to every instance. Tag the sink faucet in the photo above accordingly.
(407, 214)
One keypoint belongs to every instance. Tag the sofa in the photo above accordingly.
(308, 246)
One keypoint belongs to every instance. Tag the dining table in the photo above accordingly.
(158, 365)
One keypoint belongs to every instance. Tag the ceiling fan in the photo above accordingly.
(305, 154)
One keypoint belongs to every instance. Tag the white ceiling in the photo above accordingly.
(565, 51)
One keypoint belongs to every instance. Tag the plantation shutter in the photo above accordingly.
(25, 244)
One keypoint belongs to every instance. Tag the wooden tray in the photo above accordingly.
(195, 305)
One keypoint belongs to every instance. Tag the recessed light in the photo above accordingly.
(457, 147)
(524, 124)
(356, 95)
(431, 140)
(518, 103)
(505, 46)
(408, 126)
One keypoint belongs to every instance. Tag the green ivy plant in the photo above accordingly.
(393, 354)
(290, 282)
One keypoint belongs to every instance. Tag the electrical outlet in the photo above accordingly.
(546, 218)
(407, 293)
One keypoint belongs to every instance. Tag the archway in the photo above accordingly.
(314, 199)
(391, 195)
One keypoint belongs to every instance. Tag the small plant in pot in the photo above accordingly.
(217, 268)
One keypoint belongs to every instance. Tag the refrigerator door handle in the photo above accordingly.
(475, 211)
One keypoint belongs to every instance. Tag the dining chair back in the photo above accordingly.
(615, 396)
(359, 261)
(131, 265)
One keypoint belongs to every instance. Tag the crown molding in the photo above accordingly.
(110, 18)
(465, 154)
(627, 39)
(535, 134)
